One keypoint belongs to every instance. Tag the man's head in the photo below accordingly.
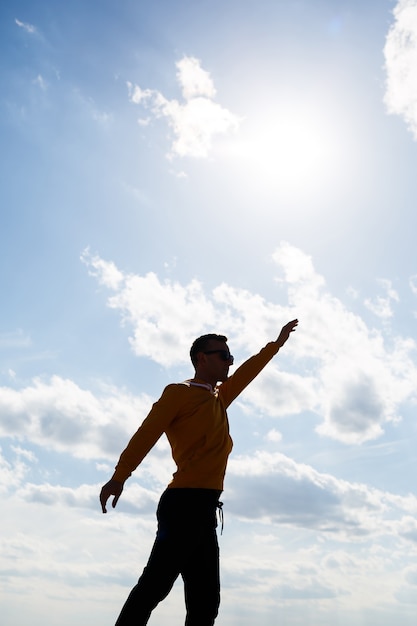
(211, 357)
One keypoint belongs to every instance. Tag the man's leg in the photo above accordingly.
(202, 581)
(161, 571)
(186, 543)
(153, 586)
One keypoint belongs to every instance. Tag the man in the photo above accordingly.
(193, 416)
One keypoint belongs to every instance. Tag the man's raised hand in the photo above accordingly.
(286, 331)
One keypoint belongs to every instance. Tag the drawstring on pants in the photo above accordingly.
(220, 514)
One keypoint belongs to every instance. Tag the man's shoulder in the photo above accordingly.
(184, 386)
(176, 388)
(172, 387)
(172, 395)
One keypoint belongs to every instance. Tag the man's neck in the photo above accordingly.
(204, 380)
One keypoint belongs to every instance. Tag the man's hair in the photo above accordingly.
(201, 344)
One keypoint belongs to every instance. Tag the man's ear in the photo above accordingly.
(200, 359)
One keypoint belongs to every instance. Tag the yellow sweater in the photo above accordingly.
(194, 418)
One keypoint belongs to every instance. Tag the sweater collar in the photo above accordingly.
(200, 383)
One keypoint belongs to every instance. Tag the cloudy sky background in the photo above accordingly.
(175, 168)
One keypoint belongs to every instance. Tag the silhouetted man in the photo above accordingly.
(193, 416)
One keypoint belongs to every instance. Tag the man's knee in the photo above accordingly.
(202, 611)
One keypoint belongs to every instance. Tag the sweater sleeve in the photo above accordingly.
(154, 425)
(236, 383)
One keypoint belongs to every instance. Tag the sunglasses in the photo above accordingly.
(224, 355)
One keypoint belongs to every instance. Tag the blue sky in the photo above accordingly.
(174, 168)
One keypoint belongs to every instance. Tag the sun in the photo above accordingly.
(292, 150)
(295, 150)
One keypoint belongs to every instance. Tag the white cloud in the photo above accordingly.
(318, 574)
(297, 267)
(401, 64)
(105, 271)
(354, 377)
(274, 436)
(57, 414)
(194, 80)
(11, 475)
(29, 28)
(413, 284)
(165, 316)
(26, 454)
(277, 489)
(324, 538)
(382, 305)
(138, 95)
(41, 82)
(362, 378)
(279, 394)
(197, 120)
(309, 536)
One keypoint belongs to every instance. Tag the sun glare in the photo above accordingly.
(293, 151)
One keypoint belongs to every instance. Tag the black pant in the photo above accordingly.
(186, 544)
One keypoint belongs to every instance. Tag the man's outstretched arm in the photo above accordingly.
(244, 374)
(162, 413)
